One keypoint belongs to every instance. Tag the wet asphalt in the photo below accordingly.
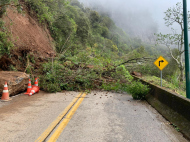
(101, 117)
(114, 117)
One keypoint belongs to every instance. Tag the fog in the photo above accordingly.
(139, 18)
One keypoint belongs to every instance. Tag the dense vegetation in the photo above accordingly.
(92, 52)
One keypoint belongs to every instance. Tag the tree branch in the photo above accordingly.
(136, 59)
(172, 55)
(65, 42)
(143, 59)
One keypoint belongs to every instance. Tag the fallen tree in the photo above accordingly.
(131, 61)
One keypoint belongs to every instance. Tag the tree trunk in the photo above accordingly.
(181, 77)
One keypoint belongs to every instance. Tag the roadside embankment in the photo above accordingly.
(173, 107)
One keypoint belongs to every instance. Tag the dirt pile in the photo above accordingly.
(27, 34)
(17, 81)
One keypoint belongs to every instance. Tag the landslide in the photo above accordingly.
(32, 45)
(90, 57)
(29, 38)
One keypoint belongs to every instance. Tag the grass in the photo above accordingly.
(167, 85)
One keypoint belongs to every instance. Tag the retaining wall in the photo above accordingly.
(173, 107)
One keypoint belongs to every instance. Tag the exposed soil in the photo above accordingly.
(27, 34)
(5, 61)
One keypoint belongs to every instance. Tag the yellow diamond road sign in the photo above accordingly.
(161, 63)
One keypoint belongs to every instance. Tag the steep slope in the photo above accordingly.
(27, 34)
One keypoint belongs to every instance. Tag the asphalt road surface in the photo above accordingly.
(93, 117)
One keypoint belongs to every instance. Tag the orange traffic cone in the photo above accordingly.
(36, 82)
(29, 87)
(35, 89)
(5, 95)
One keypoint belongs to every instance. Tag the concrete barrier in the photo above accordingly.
(173, 107)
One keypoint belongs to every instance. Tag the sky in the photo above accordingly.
(143, 13)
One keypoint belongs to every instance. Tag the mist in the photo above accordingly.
(138, 18)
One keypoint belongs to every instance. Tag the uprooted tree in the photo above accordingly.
(175, 16)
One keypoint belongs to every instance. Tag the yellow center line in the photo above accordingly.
(64, 123)
(45, 134)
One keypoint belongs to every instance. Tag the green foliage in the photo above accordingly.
(174, 15)
(4, 4)
(32, 59)
(174, 80)
(64, 27)
(171, 85)
(122, 72)
(49, 81)
(53, 87)
(94, 17)
(138, 90)
(29, 69)
(41, 9)
(108, 22)
(83, 28)
(5, 44)
(12, 68)
(85, 37)
(76, 3)
(61, 77)
(72, 25)
(112, 86)
(68, 76)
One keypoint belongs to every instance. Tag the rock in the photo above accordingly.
(17, 81)
(138, 74)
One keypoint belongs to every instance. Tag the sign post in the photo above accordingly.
(161, 78)
(161, 63)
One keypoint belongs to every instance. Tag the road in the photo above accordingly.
(99, 117)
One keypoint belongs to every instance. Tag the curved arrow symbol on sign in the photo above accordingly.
(160, 62)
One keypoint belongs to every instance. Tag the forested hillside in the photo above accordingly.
(91, 51)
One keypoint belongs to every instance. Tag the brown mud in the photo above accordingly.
(29, 38)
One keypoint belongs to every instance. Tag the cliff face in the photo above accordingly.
(27, 34)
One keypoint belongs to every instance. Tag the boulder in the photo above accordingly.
(17, 81)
